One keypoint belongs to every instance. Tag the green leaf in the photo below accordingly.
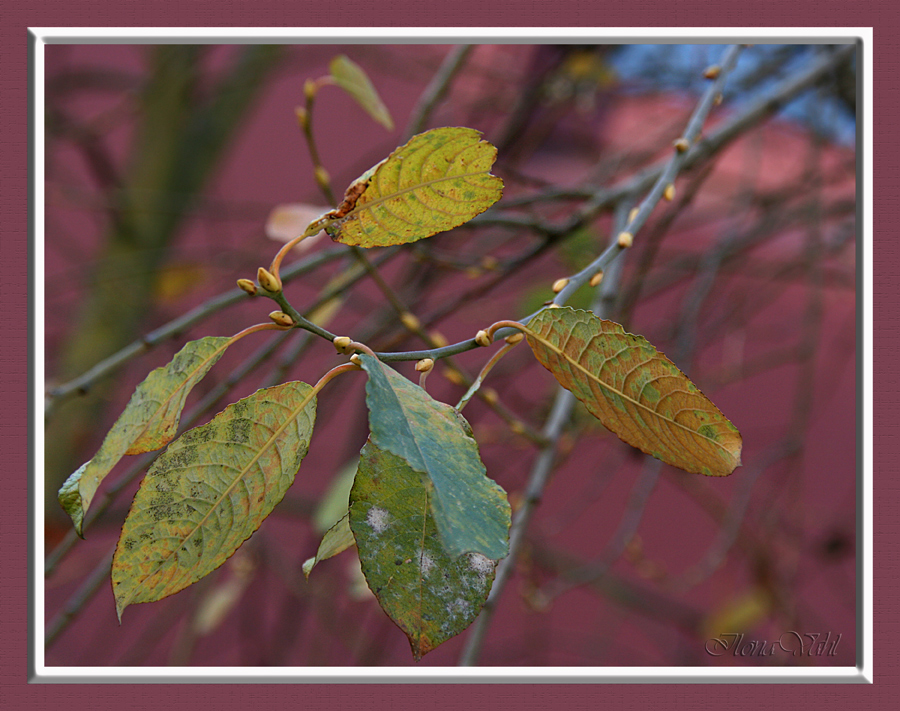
(635, 391)
(431, 595)
(470, 510)
(209, 491)
(337, 539)
(348, 75)
(334, 502)
(149, 421)
(439, 180)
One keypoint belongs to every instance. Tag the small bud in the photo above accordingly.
(517, 427)
(309, 89)
(597, 278)
(473, 272)
(342, 344)
(489, 395)
(490, 263)
(712, 72)
(514, 338)
(424, 365)
(302, 116)
(559, 285)
(669, 192)
(410, 321)
(681, 145)
(248, 286)
(717, 100)
(355, 360)
(634, 213)
(281, 318)
(625, 239)
(323, 180)
(268, 281)
(554, 306)
(454, 376)
(482, 338)
(439, 339)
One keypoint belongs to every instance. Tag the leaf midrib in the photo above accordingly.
(621, 394)
(293, 416)
(391, 196)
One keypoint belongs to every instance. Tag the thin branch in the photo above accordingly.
(436, 89)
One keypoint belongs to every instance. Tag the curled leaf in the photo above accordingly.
(209, 491)
(431, 595)
(635, 391)
(148, 422)
(439, 180)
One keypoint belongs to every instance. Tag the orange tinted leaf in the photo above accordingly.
(635, 391)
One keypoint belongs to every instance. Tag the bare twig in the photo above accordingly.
(436, 89)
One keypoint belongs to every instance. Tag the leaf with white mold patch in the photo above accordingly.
(470, 510)
(431, 595)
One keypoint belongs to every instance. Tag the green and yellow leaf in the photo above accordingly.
(439, 180)
(470, 510)
(209, 491)
(348, 75)
(635, 391)
(148, 422)
(337, 539)
(431, 595)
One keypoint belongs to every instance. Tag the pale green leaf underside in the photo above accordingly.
(149, 421)
(337, 539)
(470, 510)
(439, 180)
(429, 594)
(635, 391)
(348, 75)
(209, 491)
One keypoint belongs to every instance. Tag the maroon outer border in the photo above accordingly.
(14, 255)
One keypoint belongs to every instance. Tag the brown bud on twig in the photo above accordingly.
(410, 321)
(268, 281)
(439, 339)
(681, 145)
(514, 338)
(281, 318)
(342, 344)
(247, 285)
(355, 360)
(669, 192)
(559, 285)
(712, 71)
(625, 240)
(323, 180)
(489, 263)
(302, 117)
(309, 89)
(597, 278)
(634, 213)
(482, 338)
(424, 365)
